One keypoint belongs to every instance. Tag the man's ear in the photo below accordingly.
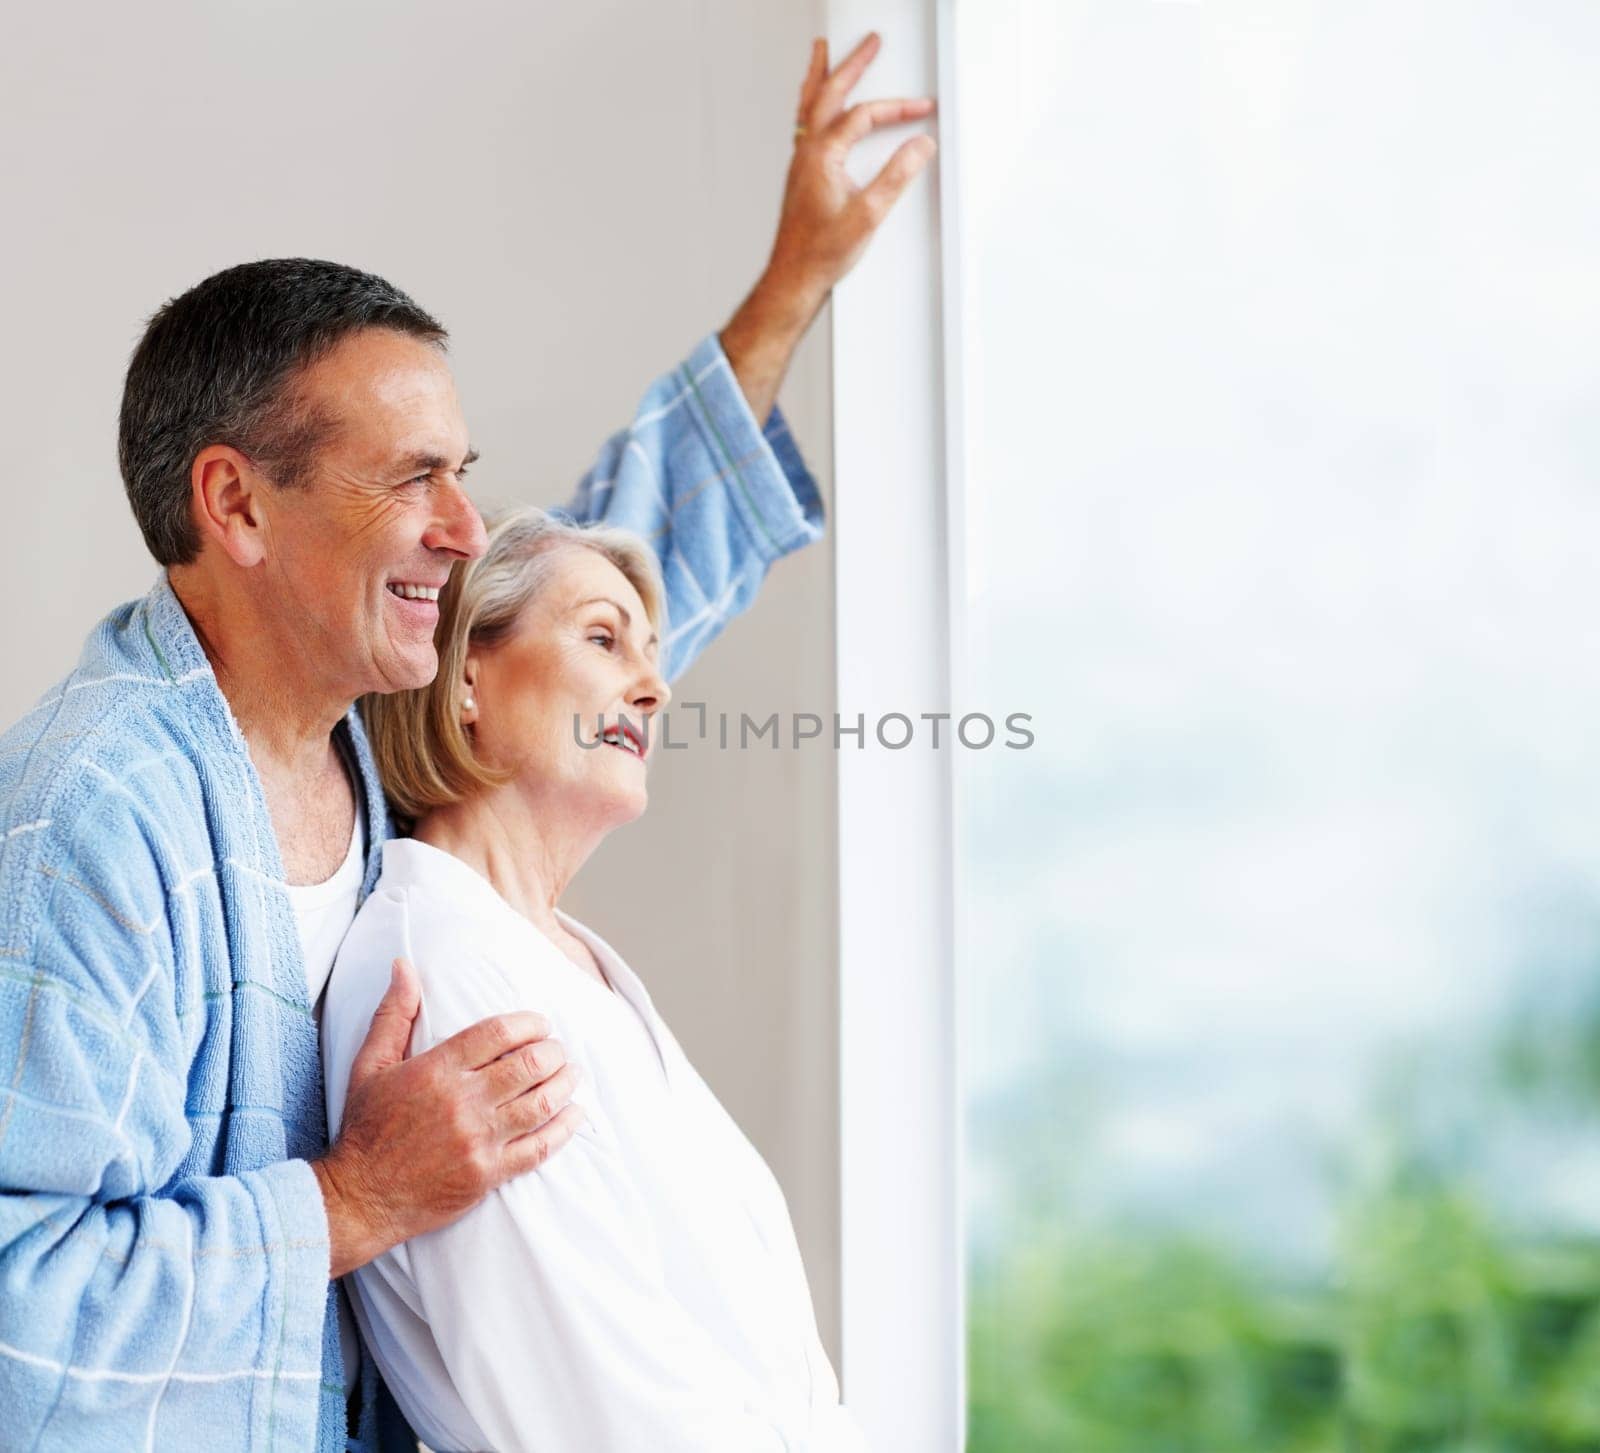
(226, 495)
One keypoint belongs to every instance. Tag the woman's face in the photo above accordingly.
(564, 702)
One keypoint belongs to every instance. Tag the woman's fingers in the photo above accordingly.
(829, 100)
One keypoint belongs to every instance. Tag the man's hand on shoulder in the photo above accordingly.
(827, 220)
(425, 1139)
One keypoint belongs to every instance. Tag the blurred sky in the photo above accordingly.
(1282, 333)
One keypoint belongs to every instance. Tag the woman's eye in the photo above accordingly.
(603, 638)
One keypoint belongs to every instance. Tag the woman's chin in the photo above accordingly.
(625, 806)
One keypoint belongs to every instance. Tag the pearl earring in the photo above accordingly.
(468, 704)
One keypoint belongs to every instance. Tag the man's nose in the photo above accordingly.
(457, 527)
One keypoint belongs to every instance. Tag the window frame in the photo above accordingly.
(899, 567)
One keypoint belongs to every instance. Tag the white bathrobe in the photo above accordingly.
(642, 1292)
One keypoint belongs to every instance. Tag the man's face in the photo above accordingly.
(381, 517)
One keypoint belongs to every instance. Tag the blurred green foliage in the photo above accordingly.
(1434, 1335)
(1438, 1326)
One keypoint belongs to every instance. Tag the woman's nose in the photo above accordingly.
(651, 694)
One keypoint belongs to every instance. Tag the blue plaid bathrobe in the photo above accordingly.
(163, 1244)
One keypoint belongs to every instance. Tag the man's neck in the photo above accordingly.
(286, 715)
(284, 712)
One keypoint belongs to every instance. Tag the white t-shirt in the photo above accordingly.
(640, 1290)
(323, 912)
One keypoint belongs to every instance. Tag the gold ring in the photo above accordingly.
(799, 130)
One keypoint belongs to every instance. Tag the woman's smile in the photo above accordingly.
(626, 739)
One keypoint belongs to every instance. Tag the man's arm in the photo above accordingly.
(144, 1308)
(826, 221)
(708, 471)
(141, 1310)
(717, 498)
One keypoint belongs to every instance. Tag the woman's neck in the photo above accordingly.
(526, 854)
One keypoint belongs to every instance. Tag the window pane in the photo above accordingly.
(1282, 942)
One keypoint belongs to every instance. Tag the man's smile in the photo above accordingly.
(416, 600)
(408, 590)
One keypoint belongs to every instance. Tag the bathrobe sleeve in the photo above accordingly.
(142, 1308)
(558, 1271)
(718, 496)
(549, 1304)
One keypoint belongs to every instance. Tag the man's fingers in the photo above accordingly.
(514, 1073)
(830, 95)
(529, 1152)
(814, 74)
(488, 1039)
(534, 1107)
(866, 116)
(884, 190)
(390, 1031)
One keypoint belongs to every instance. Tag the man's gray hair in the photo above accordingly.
(218, 364)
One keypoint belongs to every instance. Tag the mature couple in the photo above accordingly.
(559, 1239)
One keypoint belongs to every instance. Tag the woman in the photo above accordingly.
(641, 1292)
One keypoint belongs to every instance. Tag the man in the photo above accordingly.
(170, 1214)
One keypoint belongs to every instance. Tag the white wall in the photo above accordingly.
(578, 191)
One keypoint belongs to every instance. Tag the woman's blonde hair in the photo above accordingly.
(423, 750)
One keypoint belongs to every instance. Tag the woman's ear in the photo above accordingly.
(469, 695)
